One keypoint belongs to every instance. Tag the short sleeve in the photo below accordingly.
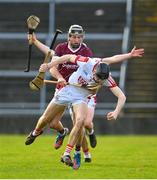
(81, 59)
(110, 82)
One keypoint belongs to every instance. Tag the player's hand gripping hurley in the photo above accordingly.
(38, 81)
(32, 23)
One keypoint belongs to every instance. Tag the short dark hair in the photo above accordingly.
(102, 71)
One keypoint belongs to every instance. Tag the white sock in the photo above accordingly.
(89, 133)
(66, 154)
(36, 133)
(87, 155)
(63, 133)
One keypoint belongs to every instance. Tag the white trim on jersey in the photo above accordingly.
(72, 50)
(110, 82)
(84, 74)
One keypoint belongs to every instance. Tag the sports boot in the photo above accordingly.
(30, 138)
(67, 160)
(92, 140)
(77, 160)
(60, 138)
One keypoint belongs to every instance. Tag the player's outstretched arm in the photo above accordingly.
(57, 61)
(123, 57)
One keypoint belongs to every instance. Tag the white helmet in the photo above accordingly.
(75, 29)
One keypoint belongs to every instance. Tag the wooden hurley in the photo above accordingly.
(32, 23)
(38, 82)
(93, 88)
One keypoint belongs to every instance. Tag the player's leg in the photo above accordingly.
(89, 121)
(84, 144)
(89, 126)
(77, 153)
(62, 132)
(85, 149)
(80, 111)
(48, 115)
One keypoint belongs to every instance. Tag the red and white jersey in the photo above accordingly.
(84, 74)
(66, 69)
(72, 94)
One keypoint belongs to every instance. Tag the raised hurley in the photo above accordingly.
(32, 23)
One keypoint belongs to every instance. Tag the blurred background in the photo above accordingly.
(112, 27)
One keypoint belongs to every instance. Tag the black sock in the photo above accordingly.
(77, 148)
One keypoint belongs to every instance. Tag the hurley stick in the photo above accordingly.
(38, 81)
(32, 23)
(91, 87)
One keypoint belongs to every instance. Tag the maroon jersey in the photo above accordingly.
(67, 69)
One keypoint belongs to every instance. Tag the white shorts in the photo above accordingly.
(92, 101)
(70, 95)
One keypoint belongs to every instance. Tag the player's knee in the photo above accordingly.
(79, 122)
(88, 124)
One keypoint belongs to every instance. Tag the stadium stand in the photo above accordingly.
(141, 84)
(105, 23)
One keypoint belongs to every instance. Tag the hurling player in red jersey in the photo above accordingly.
(92, 73)
(74, 45)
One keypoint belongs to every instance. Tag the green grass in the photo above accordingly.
(114, 157)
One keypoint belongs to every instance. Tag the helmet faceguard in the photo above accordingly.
(75, 30)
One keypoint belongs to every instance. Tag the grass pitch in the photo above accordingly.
(115, 157)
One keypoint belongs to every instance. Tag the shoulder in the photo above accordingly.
(85, 46)
(61, 49)
(86, 50)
